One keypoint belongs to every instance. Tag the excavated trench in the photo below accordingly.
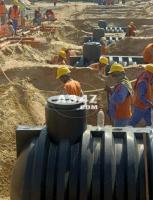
(32, 81)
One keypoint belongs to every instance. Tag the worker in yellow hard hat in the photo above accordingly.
(120, 97)
(143, 102)
(101, 66)
(59, 59)
(71, 86)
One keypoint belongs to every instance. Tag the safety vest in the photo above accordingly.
(123, 110)
(72, 87)
(2, 10)
(137, 101)
(14, 13)
(146, 53)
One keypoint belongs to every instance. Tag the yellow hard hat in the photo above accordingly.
(62, 54)
(149, 68)
(61, 71)
(103, 60)
(63, 49)
(116, 67)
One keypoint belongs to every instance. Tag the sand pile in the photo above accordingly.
(19, 104)
(130, 46)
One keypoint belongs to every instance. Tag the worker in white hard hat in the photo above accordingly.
(100, 66)
(120, 96)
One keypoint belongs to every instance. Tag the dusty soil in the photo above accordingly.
(26, 81)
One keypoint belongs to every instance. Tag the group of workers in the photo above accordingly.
(127, 105)
(9, 19)
(39, 17)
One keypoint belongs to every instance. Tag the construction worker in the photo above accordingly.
(120, 97)
(131, 31)
(148, 54)
(2, 12)
(59, 59)
(22, 7)
(14, 14)
(49, 15)
(100, 66)
(143, 102)
(37, 17)
(104, 46)
(7, 29)
(71, 86)
(55, 2)
(69, 52)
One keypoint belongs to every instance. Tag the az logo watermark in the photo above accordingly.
(90, 102)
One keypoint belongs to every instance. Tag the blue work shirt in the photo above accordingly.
(118, 96)
(142, 90)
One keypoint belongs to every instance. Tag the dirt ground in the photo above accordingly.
(30, 81)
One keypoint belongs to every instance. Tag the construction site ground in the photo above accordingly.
(26, 81)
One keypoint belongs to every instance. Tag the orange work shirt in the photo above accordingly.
(2, 9)
(148, 53)
(73, 87)
(95, 66)
(14, 13)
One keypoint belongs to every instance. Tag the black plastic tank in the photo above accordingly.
(65, 117)
(91, 51)
(98, 33)
(102, 24)
(106, 163)
(88, 39)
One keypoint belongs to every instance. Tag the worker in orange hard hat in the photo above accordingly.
(71, 86)
(100, 66)
(59, 59)
(14, 14)
(120, 96)
(2, 12)
(148, 54)
(131, 31)
(143, 102)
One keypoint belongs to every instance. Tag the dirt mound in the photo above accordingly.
(19, 105)
(130, 46)
(22, 52)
